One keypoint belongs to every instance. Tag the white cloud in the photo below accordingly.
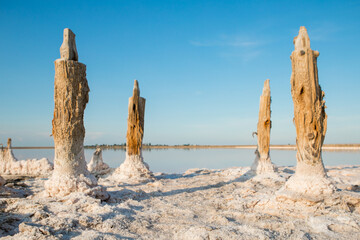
(227, 41)
(321, 31)
(245, 56)
(233, 46)
(94, 135)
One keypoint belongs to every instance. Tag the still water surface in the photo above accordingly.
(179, 160)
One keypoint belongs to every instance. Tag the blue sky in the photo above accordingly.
(201, 66)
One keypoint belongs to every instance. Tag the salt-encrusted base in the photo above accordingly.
(100, 168)
(309, 182)
(6, 155)
(312, 188)
(97, 165)
(262, 166)
(9, 165)
(34, 167)
(133, 169)
(60, 185)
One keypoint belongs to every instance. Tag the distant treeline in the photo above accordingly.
(160, 146)
(123, 145)
(189, 146)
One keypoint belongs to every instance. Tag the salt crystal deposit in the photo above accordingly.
(6, 154)
(97, 165)
(197, 204)
(9, 165)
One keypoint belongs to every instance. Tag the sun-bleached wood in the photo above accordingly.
(71, 95)
(135, 130)
(310, 121)
(262, 163)
(68, 48)
(134, 168)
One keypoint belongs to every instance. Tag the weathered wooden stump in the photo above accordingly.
(134, 169)
(71, 96)
(310, 121)
(262, 163)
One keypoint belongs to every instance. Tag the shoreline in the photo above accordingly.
(330, 147)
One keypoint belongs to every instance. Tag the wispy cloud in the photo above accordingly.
(233, 46)
(324, 33)
(245, 56)
(44, 134)
(226, 41)
(94, 135)
(321, 31)
(198, 93)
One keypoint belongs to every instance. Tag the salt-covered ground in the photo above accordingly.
(199, 204)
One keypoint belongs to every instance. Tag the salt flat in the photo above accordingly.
(198, 204)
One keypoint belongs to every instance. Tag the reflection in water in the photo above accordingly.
(179, 160)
